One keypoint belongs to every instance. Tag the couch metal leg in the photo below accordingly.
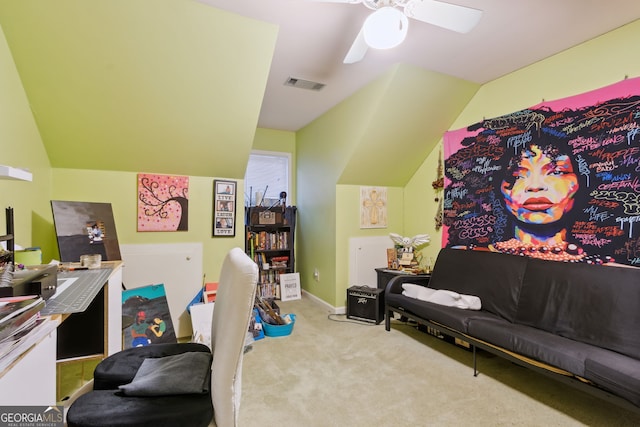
(475, 370)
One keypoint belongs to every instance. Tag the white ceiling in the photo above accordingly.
(315, 36)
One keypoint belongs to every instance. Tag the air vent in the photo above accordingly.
(303, 84)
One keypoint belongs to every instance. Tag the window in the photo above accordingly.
(266, 177)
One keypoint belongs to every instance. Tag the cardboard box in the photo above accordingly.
(265, 216)
(210, 291)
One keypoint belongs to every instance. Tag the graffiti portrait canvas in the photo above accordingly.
(163, 202)
(557, 181)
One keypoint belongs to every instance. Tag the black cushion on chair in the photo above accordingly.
(120, 368)
(186, 373)
(107, 408)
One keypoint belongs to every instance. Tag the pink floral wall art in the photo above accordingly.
(163, 202)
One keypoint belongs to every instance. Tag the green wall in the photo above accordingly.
(323, 149)
(155, 85)
(373, 138)
(420, 207)
(120, 189)
(588, 66)
(21, 147)
(348, 226)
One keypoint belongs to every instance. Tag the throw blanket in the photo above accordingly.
(441, 296)
(185, 373)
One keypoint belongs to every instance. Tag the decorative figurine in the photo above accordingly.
(408, 244)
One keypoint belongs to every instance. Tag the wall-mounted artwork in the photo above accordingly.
(163, 202)
(373, 207)
(224, 208)
(85, 228)
(557, 181)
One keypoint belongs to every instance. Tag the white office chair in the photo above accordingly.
(105, 405)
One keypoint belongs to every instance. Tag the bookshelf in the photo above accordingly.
(270, 243)
(7, 257)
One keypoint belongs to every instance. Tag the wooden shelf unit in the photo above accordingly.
(271, 245)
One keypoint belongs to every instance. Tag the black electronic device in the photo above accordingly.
(33, 280)
(365, 304)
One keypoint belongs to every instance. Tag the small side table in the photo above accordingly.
(384, 277)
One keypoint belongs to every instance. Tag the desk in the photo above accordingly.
(31, 377)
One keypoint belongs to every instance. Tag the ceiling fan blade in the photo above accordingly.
(358, 49)
(453, 17)
(338, 1)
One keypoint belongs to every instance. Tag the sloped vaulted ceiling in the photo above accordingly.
(412, 112)
(160, 86)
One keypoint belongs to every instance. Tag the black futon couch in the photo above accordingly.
(576, 322)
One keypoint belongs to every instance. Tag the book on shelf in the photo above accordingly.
(392, 258)
(279, 261)
(269, 240)
(269, 290)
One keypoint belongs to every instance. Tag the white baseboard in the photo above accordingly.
(332, 309)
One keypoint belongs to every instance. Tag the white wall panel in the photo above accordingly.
(176, 265)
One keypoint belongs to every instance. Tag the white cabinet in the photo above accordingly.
(31, 378)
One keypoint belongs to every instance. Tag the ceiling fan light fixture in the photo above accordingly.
(385, 28)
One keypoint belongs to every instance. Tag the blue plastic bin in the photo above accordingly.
(279, 330)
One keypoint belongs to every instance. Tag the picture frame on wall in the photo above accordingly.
(373, 207)
(163, 202)
(224, 208)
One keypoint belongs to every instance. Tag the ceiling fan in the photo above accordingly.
(387, 26)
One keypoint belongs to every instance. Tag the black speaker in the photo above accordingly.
(365, 303)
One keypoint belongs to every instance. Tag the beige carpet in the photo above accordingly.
(352, 374)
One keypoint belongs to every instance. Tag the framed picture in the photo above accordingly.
(163, 202)
(224, 208)
(290, 287)
(373, 207)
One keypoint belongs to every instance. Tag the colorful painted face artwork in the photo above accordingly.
(557, 181)
(539, 187)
